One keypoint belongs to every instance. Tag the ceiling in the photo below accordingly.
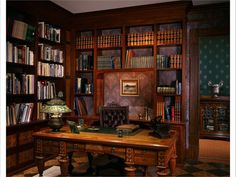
(81, 6)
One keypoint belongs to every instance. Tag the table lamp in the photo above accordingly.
(55, 108)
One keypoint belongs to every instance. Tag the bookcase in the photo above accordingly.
(35, 74)
(153, 54)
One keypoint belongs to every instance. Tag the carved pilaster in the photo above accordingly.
(129, 161)
(63, 158)
(39, 146)
(39, 156)
(162, 165)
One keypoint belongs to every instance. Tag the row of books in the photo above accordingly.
(21, 30)
(50, 70)
(136, 39)
(173, 36)
(166, 90)
(18, 113)
(46, 90)
(19, 83)
(19, 54)
(109, 41)
(49, 32)
(177, 89)
(173, 61)
(108, 62)
(80, 107)
(140, 62)
(84, 62)
(169, 109)
(83, 85)
(84, 42)
(47, 52)
(40, 115)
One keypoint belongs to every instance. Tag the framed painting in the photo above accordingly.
(129, 87)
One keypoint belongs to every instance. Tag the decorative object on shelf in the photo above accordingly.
(161, 130)
(55, 108)
(129, 87)
(73, 127)
(215, 88)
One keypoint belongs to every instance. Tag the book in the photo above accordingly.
(19, 29)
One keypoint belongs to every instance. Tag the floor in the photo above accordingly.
(199, 168)
(214, 151)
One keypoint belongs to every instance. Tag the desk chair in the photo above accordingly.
(111, 116)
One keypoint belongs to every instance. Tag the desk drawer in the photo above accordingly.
(143, 157)
(116, 151)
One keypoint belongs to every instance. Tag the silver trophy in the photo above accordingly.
(215, 88)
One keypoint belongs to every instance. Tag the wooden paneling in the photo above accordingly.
(25, 137)
(11, 141)
(26, 156)
(202, 21)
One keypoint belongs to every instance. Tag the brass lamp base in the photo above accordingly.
(55, 124)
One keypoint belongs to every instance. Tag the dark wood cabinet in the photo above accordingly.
(215, 117)
(20, 146)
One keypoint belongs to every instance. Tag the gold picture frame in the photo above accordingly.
(129, 87)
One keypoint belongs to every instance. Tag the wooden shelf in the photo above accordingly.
(9, 64)
(84, 49)
(169, 69)
(109, 48)
(49, 42)
(140, 46)
(83, 94)
(124, 70)
(166, 94)
(50, 61)
(48, 77)
(169, 45)
(19, 41)
(84, 71)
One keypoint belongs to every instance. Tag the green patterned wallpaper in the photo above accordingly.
(214, 63)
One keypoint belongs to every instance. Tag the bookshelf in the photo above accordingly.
(84, 68)
(35, 73)
(151, 53)
(50, 65)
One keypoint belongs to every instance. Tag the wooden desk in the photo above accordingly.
(139, 149)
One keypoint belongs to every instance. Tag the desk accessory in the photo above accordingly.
(160, 129)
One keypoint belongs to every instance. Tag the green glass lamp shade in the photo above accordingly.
(55, 108)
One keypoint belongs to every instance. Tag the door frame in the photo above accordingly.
(194, 96)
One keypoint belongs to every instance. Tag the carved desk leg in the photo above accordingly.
(63, 159)
(39, 156)
(162, 166)
(129, 161)
(40, 164)
(173, 162)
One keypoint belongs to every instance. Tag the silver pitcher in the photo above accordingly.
(215, 88)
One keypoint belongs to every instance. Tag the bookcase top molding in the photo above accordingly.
(149, 14)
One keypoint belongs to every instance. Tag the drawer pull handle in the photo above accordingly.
(113, 150)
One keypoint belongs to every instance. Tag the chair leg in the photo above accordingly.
(90, 169)
(70, 166)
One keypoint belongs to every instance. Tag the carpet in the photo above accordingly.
(51, 172)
